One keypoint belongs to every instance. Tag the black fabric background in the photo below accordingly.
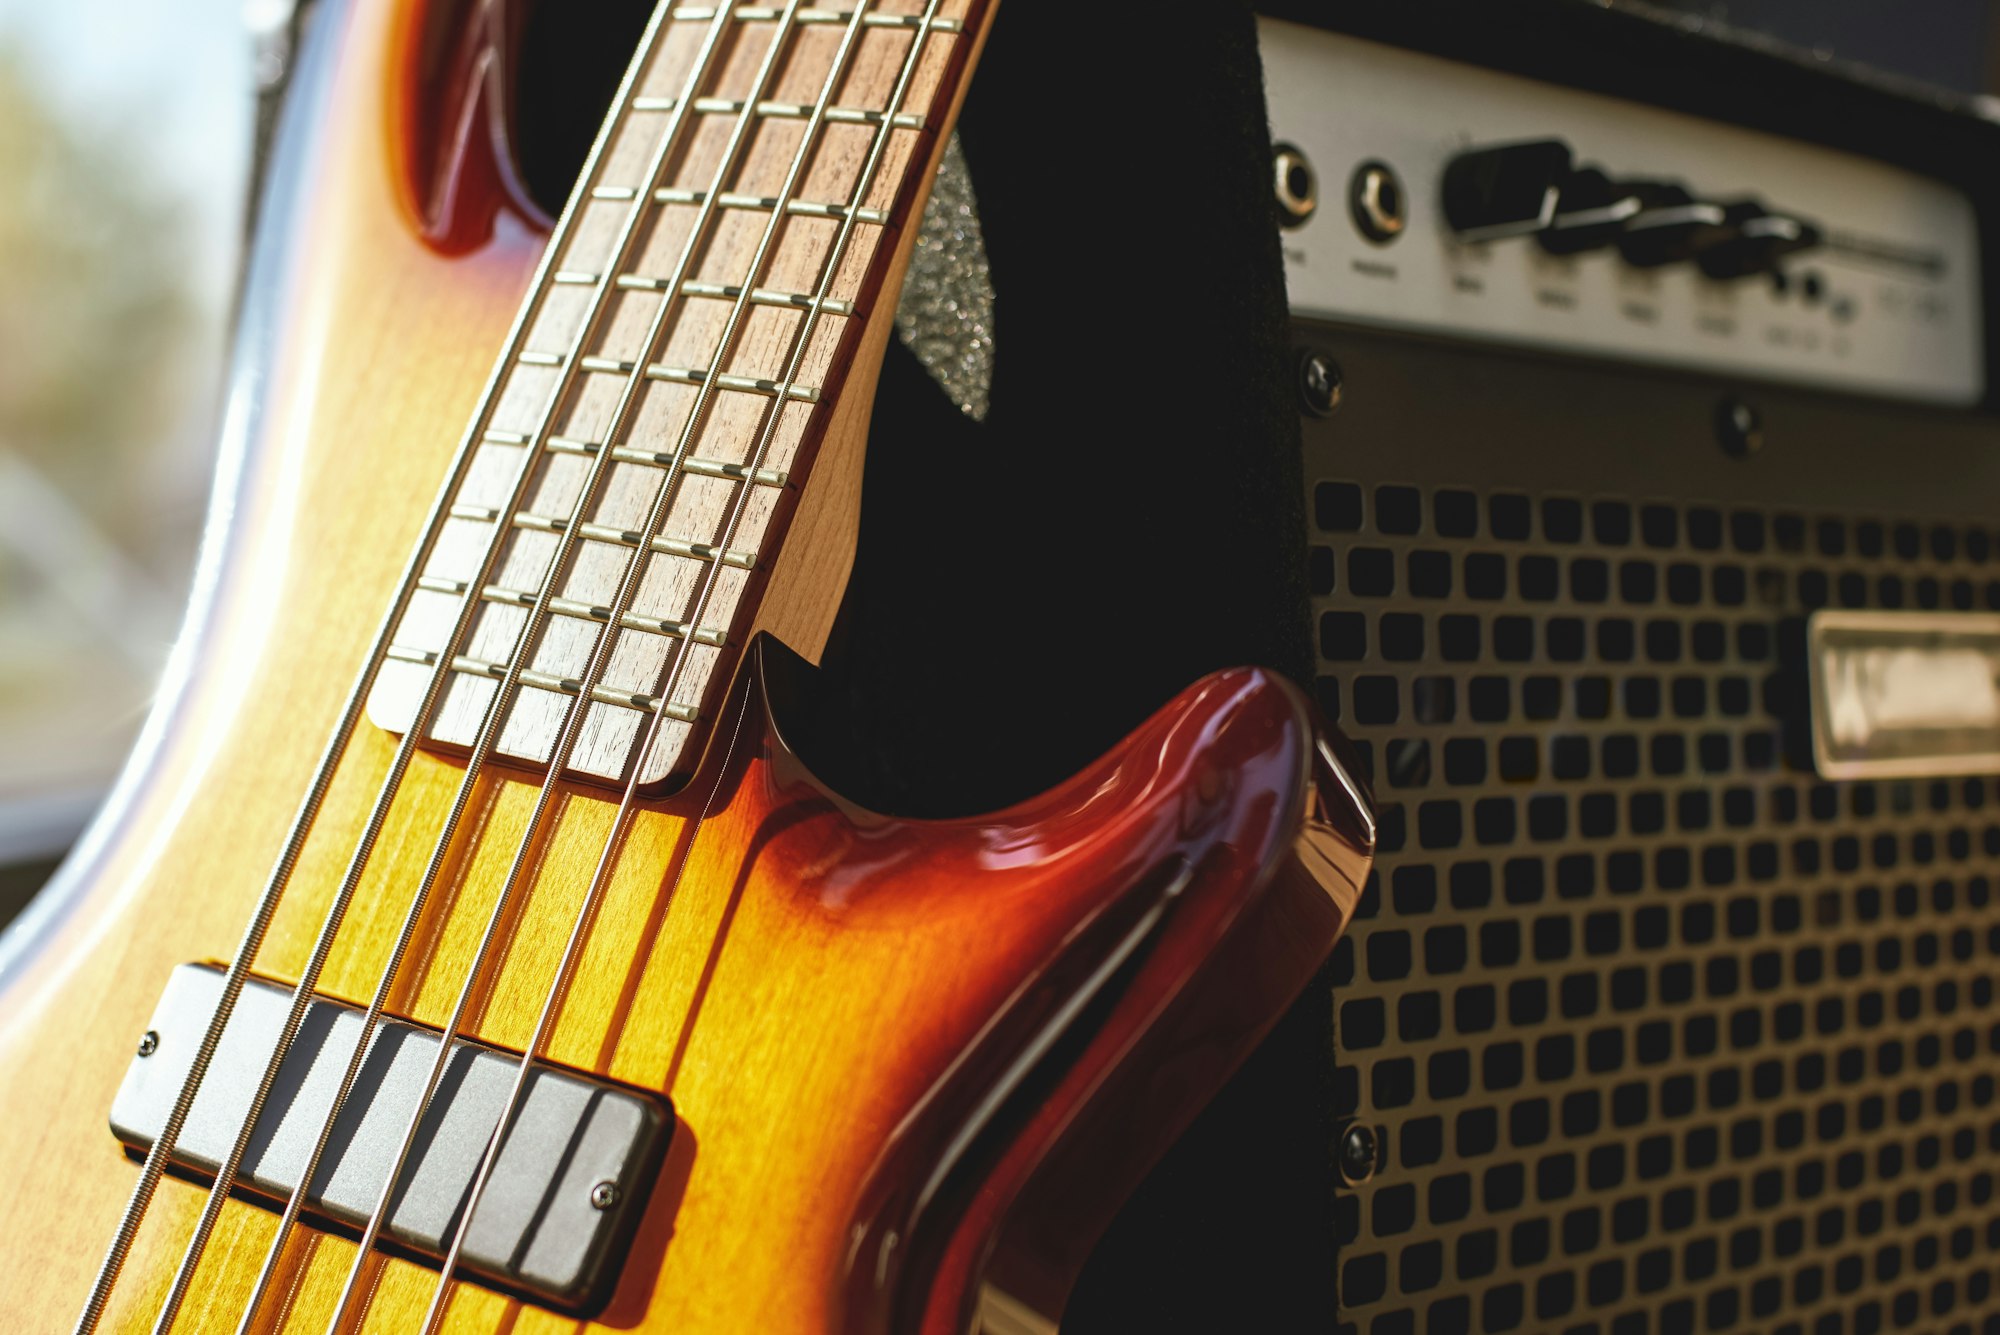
(1129, 517)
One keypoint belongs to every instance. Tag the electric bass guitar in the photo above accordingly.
(465, 949)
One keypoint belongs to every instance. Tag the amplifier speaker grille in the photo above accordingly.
(1659, 1033)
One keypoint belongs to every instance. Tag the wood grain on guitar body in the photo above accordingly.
(556, 820)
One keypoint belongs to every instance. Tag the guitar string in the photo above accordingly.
(607, 857)
(165, 1142)
(305, 819)
(295, 1202)
(784, 29)
(306, 987)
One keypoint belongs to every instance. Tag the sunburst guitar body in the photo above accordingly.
(824, 1070)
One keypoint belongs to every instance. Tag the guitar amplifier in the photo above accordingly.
(1655, 545)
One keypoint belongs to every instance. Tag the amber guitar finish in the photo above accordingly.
(913, 1065)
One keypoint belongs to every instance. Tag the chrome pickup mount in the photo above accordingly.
(567, 1190)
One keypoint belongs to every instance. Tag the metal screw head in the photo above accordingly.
(1358, 1152)
(1319, 383)
(1738, 428)
(149, 1043)
(604, 1195)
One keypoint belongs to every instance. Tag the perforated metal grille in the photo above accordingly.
(1659, 1032)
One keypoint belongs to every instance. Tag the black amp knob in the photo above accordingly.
(1669, 225)
(1531, 188)
(1752, 240)
(1504, 190)
(1591, 212)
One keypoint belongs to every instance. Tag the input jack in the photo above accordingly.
(1296, 184)
(1376, 199)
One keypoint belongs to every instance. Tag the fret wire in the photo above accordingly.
(625, 537)
(765, 296)
(765, 14)
(759, 12)
(857, 116)
(688, 375)
(763, 204)
(582, 611)
(575, 717)
(153, 1167)
(715, 468)
(761, 296)
(467, 665)
(729, 106)
(811, 210)
(572, 950)
(422, 724)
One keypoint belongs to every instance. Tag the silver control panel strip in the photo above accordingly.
(1887, 302)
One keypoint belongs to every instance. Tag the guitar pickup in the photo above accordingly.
(567, 1189)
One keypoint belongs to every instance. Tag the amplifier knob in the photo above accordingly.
(1504, 190)
(1669, 227)
(1591, 211)
(1752, 241)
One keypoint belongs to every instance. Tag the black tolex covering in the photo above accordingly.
(1129, 517)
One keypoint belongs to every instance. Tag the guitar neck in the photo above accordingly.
(686, 355)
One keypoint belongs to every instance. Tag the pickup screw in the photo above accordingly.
(1357, 1154)
(149, 1043)
(1319, 383)
(604, 1195)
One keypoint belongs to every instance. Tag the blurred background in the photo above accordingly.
(125, 132)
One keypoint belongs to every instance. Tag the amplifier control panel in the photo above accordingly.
(1424, 194)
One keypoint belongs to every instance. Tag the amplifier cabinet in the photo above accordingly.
(1653, 1028)
(1656, 1030)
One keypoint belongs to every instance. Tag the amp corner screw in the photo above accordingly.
(604, 1195)
(1319, 383)
(1738, 428)
(149, 1043)
(1358, 1150)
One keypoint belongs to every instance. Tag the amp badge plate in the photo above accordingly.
(1904, 694)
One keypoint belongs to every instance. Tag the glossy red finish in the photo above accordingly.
(449, 114)
(1172, 923)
